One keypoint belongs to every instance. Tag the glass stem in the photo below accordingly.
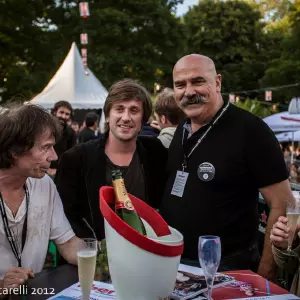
(209, 283)
(209, 292)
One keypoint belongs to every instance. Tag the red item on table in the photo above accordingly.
(248, 284)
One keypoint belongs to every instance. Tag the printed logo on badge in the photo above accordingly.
(206, 171)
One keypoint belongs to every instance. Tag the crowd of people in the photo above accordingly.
(203, 172)
(292, 161)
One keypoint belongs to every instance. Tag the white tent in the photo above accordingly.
(283, 121)
(289, 136)
(70, 83)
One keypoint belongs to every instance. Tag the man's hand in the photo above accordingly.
(154, 124)
(280, 233)
(14, 277)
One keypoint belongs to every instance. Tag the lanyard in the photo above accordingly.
(7, 230)
(213, 123)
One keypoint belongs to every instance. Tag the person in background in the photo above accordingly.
(88, 166)
(82, 126)
(297, 154)
(90, 131)
(168, 115)
(287, 157)
(209, 192)
(63, 111)
(75, 126)
(292, 149)
(288, 261)
(148, 130)
(31, 211)
(294, 174)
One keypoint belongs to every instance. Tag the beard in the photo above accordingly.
(195, 99)
(62, 121)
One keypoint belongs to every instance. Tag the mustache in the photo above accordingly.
(195, 99)
(62, 120)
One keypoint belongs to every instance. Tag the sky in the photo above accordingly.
(183, 8)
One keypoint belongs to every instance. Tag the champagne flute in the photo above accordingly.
(209, 251)
(292, 213)
(86, 255)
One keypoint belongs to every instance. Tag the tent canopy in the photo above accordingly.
(283, 121)
(289, 136)
(70, 83)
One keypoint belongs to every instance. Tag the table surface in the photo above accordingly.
(52, 282)
(58, 279)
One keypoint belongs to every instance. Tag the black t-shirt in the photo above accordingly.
(236, 158)
(133, 176)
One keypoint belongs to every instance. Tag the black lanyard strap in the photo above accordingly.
(8, 232)
(213, 123)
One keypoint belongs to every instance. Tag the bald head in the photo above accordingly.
(195, 61)
(197, 87)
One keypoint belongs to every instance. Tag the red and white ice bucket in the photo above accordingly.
(141, 268)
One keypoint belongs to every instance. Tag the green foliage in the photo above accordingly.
(284, 67)
(137, 39)
(140, 39)
(256, 107)
(28, 46)
(230, 32)
(254, 43)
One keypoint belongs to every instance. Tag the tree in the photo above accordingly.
(230, 32)
(140, 39)
(260, 109)
(273, 10)
(27, 45)
(284, 68)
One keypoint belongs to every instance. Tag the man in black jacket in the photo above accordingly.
(90, 131)
(86, 167)
(63, 111)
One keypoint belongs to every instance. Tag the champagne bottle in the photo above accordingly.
(123, 205)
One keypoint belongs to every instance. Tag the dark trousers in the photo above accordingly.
(246, 259)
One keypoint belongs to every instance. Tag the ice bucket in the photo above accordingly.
(141, 268)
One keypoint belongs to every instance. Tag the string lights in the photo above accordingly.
(84, 40)
(234, 96)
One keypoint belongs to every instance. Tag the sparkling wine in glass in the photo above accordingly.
(209, 251)
(292, 213)
(86, 255)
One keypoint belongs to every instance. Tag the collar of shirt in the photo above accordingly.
(188, 127)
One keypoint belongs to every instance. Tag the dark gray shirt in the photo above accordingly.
(133, 176)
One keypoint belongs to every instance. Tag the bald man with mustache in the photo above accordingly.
(220, 158)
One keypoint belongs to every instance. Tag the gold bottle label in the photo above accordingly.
(122, 198)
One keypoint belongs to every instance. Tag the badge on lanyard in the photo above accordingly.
(206, 171)
(179, 183)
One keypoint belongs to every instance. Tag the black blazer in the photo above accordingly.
(82, 171)
(86, 135)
